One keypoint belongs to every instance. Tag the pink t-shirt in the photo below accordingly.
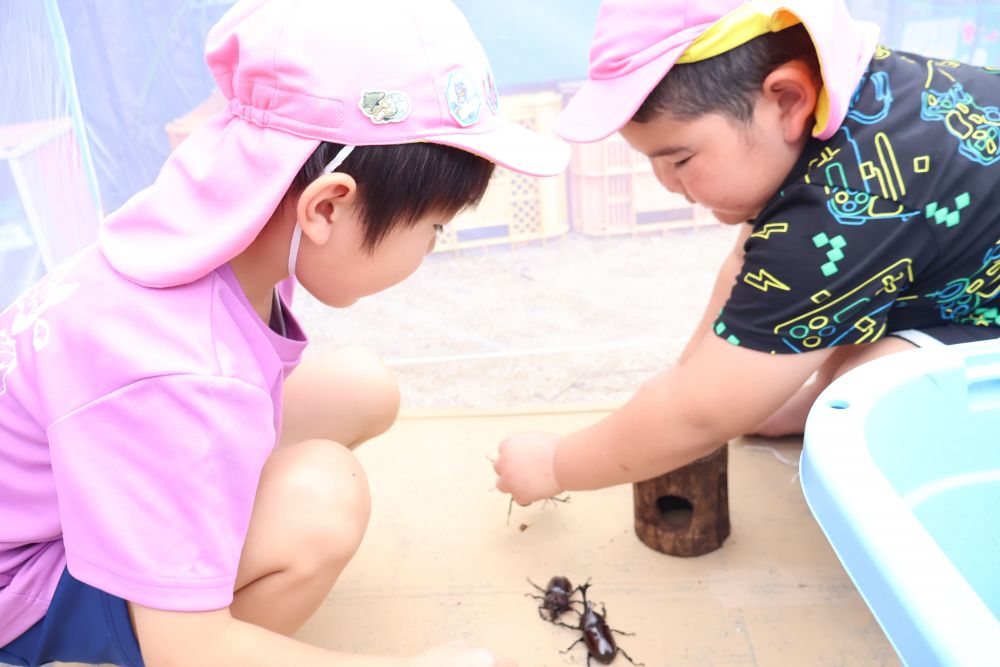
(134, 423)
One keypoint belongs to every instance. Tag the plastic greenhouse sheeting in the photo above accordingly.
(89, 87)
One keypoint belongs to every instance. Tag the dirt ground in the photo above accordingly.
(578, 320)
(441, 562)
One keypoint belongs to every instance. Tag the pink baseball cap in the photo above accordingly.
(298, 72)
(636, 42)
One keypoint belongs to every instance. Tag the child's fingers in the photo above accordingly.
(502, 485)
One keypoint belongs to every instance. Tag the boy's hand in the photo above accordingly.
(459, 654)
(525, 467)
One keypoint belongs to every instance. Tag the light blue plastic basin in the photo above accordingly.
(901, 468)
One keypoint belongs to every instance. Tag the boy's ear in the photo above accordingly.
(322, 202)
(794, 90)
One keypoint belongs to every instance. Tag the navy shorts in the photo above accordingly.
(83, 624)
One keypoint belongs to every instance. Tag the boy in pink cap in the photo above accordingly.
(162, 478)
(862, 182)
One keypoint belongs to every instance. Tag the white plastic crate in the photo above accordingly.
(516, 208)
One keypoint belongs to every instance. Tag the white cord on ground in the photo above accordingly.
(778, 455)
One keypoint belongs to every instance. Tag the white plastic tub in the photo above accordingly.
(901, 468)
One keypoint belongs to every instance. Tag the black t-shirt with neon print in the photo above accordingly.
(893, 223)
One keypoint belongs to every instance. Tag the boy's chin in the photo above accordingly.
(727, 218)
(337, 302)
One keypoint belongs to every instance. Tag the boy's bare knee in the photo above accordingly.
(334, 488)
(379, 389)
(329, 491)
(354, 379)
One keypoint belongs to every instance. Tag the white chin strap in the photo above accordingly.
(293, 251)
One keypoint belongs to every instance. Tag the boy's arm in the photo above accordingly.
(728, 272)
(216, 639)
(719, 392)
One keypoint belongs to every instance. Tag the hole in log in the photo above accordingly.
(675, 512)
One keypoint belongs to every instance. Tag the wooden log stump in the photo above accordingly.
(686, 511)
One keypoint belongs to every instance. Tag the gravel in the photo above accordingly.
(578, 320)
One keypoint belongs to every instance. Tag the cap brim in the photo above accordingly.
(210, 200)
(513, 146)
(222, 184)
(601, 107)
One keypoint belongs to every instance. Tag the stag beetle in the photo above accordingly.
(555, 597)
(597, 636)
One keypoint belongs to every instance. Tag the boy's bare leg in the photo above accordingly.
(790, 418)
(309, 516)
(312, 503)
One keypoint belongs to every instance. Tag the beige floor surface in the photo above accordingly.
(441, 562)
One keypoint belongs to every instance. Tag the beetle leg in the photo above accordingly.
(567, 649)
(629, 658)
(541, 615)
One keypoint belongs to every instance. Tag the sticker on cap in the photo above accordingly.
(464, 100)
(492, 97)
(385, 106)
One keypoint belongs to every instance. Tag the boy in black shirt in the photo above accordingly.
(863, 180)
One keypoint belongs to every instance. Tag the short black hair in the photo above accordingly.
(399, 184)
(730, 82)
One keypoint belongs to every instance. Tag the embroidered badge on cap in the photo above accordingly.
(464, 100)
(492, 97)
(382, 106)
